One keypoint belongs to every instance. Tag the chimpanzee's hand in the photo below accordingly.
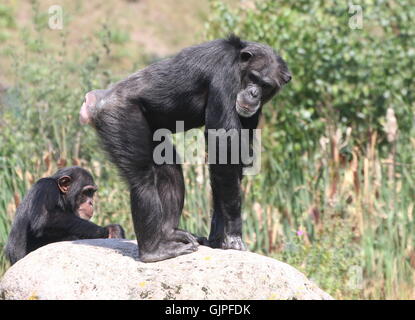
(115, 231)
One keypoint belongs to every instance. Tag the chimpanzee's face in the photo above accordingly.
(263, 75)
(77, 189)
(86, 202)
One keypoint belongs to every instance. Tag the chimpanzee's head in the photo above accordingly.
(263, 73)
(77, 189)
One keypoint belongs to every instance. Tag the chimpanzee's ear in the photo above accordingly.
(246, 55)
(64, 183)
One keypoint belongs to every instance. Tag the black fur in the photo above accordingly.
(199, 86)
(47, 215)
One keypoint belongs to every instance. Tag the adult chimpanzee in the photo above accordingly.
(57, 208)
(221, 84)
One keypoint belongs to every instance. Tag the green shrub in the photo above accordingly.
(341, 75)
(326, 158)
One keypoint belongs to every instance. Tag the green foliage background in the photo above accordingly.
(335, 196)
(344, 80)
(343, 75)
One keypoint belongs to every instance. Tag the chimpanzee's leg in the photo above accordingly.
(170, 188)
(226, 225)
(157, 191)
(225, 172)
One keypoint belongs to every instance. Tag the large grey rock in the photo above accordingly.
(109, 269)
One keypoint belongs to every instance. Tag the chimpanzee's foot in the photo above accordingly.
(233, 242)
(228, 242)
(184, 236)
(203, 241)
(179, 242)
(167, 250)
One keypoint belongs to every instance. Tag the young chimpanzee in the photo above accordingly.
(221, 84)
(57, 208)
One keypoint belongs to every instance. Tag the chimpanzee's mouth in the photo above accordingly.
(245, 110)
(243, 107)
(85, 214)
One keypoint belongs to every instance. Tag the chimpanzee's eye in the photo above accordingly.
(254, 77)
(246, 55)
(89, 193)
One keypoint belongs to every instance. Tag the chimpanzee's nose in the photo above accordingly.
(254, 92)
(286, 77)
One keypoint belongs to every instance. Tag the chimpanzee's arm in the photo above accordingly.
(226, 228)
(66, 225)
(48, 221)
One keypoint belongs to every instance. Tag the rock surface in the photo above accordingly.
(109, 269)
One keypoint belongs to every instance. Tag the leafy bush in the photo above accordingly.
(341, 76)
(337, 141)
(40, 130)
